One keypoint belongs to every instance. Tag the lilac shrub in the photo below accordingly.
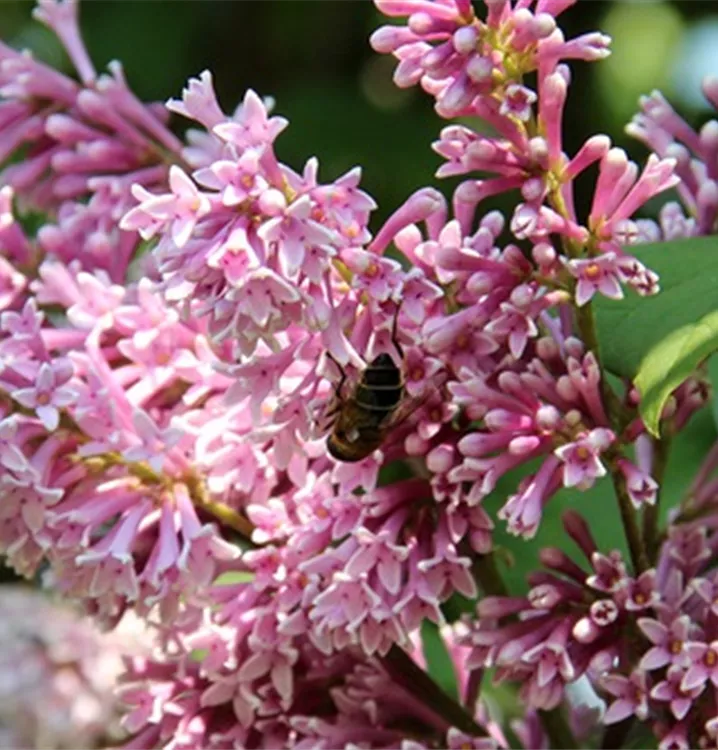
(177, 338)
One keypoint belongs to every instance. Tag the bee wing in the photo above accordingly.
(409, 405)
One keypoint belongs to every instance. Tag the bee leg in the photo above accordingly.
(343, 376)
(333, 412)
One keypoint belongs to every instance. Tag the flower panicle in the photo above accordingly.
(195, 315)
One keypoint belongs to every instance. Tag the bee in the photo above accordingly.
(364, 417)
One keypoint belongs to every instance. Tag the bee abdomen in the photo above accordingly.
(380, 386)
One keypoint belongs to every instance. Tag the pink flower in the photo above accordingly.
(444, 47)
(581, 458)
(669, 642)
(199, 101)
(292, 231)
(703, 667)
(666, 133)
(631, 695)
(180, 209)
(516, 321)
(620, 191)
(61, 17)
(676, 738)
(672, 691)
(642, 488)
(599, 274)
(49, 393)
(250, 126)
(237, 180)
(517, 102)
(378, 551)
(12, 283)
(262, 296)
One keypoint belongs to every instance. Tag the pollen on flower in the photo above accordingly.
(417, 374)
(372, 270)
(676, 646)
(711, 658)
(43, 399)
(583, 453)
(592, 271)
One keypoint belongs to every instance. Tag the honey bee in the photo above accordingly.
(363, 418)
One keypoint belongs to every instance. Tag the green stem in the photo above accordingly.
(404, 670)
(487, 575)
(587, 328)
(630, 523)
(223, 513)
(557, 729)
(228, 517)
(586, 324)
(661, 448)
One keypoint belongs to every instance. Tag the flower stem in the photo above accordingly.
(586, 324)
(587, 328)
(630, 523)
(651, 512)
(407, 673)
(557, 729)
(228, 517)
(487, 575)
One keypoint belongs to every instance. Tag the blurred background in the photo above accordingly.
(313, 56)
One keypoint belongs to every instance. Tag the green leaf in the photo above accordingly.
(658, 341)
(438, 662)
(713, 377)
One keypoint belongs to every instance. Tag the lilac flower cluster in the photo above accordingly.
(647, 643)
(667, 134)
(177, 339)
